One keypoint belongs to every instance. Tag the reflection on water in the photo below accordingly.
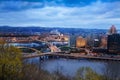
(69, 67)
(112, 70)
(33, 44)
(25, 44)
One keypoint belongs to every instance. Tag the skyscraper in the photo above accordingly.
(112, 30)
(72, 40)
(113, 42)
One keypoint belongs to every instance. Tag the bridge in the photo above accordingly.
(70, 56)
(52, 47)
(36, 51)
(56, 52)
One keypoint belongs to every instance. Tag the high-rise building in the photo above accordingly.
(112, 30)
(72, 40)
(113, 43)
(80, 42)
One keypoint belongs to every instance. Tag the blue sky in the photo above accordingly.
(60, 13)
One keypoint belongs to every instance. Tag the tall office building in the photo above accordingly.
(113, 43)
(72, 40)
(112, 30)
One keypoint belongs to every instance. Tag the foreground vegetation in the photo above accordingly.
(12, 68)
(10, 62)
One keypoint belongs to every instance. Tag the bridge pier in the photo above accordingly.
(51, 57)
(44, 57)
(41, 57)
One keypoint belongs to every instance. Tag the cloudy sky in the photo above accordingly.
(60, 13)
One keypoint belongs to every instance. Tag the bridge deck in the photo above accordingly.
(75, 56)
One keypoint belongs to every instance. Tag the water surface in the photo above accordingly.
(68, 67)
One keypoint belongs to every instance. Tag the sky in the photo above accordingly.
(100, 14)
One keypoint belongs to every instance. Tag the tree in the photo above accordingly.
(65, 48)
(10, 62)
(87, 73)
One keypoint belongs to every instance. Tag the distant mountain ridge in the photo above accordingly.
(5, 29)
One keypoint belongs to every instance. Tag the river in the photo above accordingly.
(69, 67)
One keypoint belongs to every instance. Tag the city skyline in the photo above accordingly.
(100, 14)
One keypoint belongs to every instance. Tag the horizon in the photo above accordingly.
(54, 27)
(93, 14)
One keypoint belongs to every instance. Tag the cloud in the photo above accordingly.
(93, 15)
(16, 5)
(8, 6)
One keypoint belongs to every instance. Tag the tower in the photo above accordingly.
(113, 42)
(112, 30)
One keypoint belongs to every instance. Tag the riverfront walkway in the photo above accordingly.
(71, 56)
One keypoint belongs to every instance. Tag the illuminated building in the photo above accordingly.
(103, 42)
(80, 42)
(66, 38)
